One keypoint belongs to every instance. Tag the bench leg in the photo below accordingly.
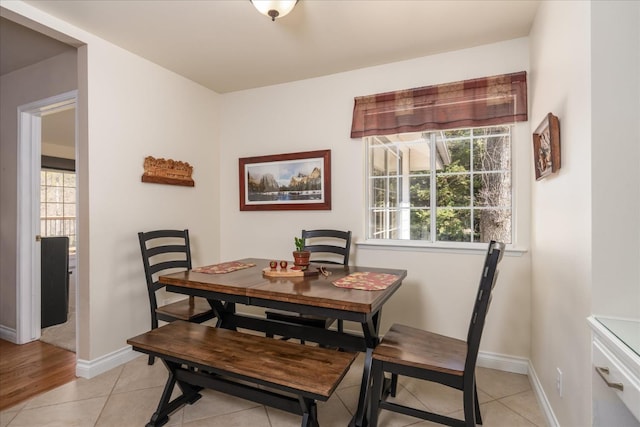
(190, 394)
(160, 417)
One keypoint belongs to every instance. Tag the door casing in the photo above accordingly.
(28, 248)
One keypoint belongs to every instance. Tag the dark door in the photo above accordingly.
(54, 273)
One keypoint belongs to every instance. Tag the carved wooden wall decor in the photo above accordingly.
(167, 171)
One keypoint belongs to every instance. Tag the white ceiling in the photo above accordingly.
(226, 45)
(59, 128)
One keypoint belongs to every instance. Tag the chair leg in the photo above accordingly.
(477, 405)
(154, 325)
(394, 385)
(340, 325)
(469, 399)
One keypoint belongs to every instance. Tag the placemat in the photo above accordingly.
(366, 280)
(225, 267)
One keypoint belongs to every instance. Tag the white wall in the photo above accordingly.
(39, 81)
(561, 226)
(138, 109)
(585, 245)
(316, 114)
(130, 108)
(615, 128)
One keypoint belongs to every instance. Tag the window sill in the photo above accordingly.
(455, 248)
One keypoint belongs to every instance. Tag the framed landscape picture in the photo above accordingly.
(293, 181)
(546, 147)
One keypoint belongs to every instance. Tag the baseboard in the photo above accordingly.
(520, 365)
(552, 421)
(86, 368)
(501, 362)
(8, 334)
(92, 368)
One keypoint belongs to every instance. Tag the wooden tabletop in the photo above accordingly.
(314, 290)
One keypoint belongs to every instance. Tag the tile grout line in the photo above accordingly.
(516, 412)
(109, 395)
(514, 409)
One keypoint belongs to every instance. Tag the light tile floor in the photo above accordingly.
(128, 396)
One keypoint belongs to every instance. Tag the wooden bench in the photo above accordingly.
(281, 374)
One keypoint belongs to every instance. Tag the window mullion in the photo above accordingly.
(387, 187)
(432, 186)
(472, 211)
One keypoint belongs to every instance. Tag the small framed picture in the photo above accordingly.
(546, 147)
(293, 181)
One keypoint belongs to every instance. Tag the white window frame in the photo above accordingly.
(521, 175)
(43, 232)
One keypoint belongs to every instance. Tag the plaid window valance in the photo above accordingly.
(485, 101)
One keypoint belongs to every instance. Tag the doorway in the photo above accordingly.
(58, 229)
(30, 150)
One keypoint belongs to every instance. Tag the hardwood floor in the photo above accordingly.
(30, 369)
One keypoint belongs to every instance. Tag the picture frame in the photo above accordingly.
(546, 147)
(292, 181)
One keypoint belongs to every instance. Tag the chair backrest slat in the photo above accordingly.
(167, 265)
(327, 242)
(165, 249)
(482, 302)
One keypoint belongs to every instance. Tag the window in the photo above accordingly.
(439, 159)
(440, 186)
(58, 205)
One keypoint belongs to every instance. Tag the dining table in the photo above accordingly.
(350, 293)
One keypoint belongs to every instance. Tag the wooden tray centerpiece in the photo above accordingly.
(290, 271)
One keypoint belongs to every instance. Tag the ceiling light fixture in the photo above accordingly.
(274, 8)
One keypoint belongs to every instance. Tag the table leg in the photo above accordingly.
(223, 311)
(371, 335)
(359, 419)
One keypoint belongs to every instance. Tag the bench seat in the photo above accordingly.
(200, 356)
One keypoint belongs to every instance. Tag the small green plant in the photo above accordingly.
(299, 241)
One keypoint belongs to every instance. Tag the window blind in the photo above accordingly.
(485, 101)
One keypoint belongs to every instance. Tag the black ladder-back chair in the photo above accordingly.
(168, 251)
(428, 356)
(326, 247)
